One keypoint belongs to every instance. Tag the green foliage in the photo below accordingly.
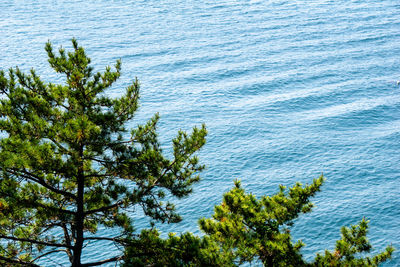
(148, 249)
(253, 230)
(350, 248)
(69, 164)
(249, 229)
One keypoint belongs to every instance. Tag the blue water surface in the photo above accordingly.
(288, 90)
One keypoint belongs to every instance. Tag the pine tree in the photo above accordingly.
(248, 229)
(69, 164)
(252, 229)
(352, 249)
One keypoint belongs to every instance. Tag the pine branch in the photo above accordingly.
(104, 208)
(60, 210)
(59, 146)
(28, 203)
(30, 176)
(18, 262)
(35, 241)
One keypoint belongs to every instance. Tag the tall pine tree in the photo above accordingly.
(70, 165)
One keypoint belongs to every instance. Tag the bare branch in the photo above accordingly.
(67, 240)
(48, 253)
(97, 175)
(117, 258)
(107, 238)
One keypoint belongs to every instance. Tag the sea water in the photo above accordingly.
(288, 90)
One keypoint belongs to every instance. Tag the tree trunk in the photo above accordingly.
(79, 218)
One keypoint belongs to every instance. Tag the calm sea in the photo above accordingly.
(288, 90)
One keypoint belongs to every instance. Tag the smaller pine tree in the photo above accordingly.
(351, 248)
(250, 230)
